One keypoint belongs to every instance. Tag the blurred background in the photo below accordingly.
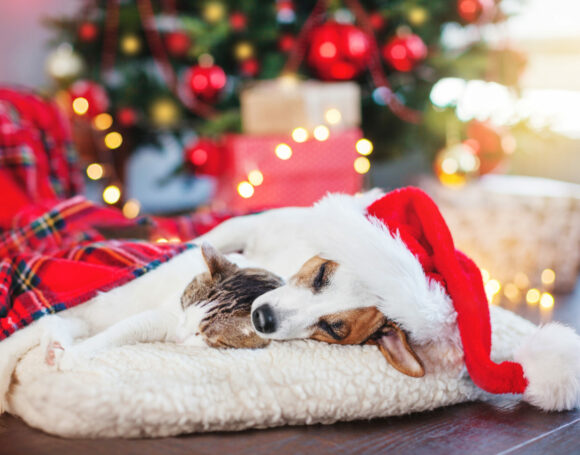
(177, 106)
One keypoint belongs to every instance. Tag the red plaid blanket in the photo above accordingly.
(51, 255)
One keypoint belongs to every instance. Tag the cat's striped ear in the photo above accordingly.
(217, 264)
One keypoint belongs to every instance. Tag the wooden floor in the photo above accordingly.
(505, 425)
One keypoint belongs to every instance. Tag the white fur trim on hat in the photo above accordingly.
(550, 358)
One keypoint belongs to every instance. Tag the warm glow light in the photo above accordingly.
(245, 189)
(546, 301)
(333, 116)
(111, 194)
(364, 147)
(80, 105)
(484, 275)
(243, 50)
(161, 240)
(255, 177)
(511, 291)
(362, 165)
(130, 44)
(449, 166)
(548, 276)
(321, 133)
(95, 171)
(533, 296)
(283, 151)
(113, 140)
(131, 208)
(492, 287)
(300, 135)
(521, 280)
(103, 121)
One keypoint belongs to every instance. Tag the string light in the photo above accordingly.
(131, 208)
(95, 171)
(521, 280)
(80, 105)
(245, 189)
(103, 121)
(364, 147)
(484, 275)
(512, 292)
(362, 165)
(113, 140)
(492, 287)
(111, 194)
(333, 116)
(547, 301)
(533, 296)
(321, 133)
(243, 50)
(283, 151)
(548, 276)
(130, 44)
(161, 240)
(255, 177)
(449, 166)
(300, 134)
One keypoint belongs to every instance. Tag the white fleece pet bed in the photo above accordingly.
(163, 389)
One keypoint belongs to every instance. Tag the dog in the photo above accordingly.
(165, 304)
(336, 289)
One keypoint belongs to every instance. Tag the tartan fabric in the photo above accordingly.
(58, 261)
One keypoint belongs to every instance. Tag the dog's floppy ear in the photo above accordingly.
(217, 264)
(394, 346)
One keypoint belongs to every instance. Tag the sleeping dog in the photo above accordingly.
(212, 310)
(323, 299)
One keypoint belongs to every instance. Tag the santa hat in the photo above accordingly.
(547, 366)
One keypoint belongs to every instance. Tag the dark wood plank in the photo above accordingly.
(503, 425)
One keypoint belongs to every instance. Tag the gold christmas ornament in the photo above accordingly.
(64, 64)
(164, 113)
(213, 11)
(130, 44)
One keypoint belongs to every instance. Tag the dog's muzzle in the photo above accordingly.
(263, 319)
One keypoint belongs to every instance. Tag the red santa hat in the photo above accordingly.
(547, 366)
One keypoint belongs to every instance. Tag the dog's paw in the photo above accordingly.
(53, 354)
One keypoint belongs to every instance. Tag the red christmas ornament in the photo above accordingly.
(88, 32)
(206, 82)
(127, 117)
(178, 43)
(490, 143)
(238, 21)
(203, 157)
(377, 20)
(95, 95)
(338, 51)
(286, 42)
(250, 67)
(404, 53)
(475, 10)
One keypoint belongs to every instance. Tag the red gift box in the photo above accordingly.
(314, 168)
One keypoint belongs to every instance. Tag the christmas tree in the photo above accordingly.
(139, 68)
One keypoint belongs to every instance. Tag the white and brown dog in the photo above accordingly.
(351, 280)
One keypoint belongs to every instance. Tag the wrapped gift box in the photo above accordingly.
(515, 228)
(279, 106)
(315, 168)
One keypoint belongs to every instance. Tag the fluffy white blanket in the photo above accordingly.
(164, 389)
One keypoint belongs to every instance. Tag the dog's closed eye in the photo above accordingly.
(333, 329)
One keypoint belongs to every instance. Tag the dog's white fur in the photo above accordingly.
(376, 269)
(143, 310)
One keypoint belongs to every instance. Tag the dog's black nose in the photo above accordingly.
(263, 319)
